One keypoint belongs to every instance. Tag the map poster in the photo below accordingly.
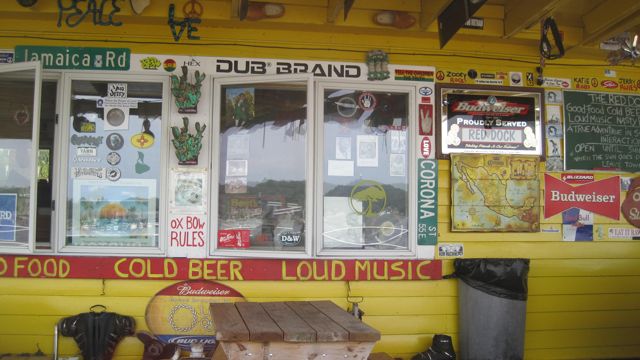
(497, 193)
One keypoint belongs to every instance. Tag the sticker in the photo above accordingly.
(624, 233)
(398, 141)
(489, 81)
(150, 63)
(577, 178)
(8, 212)
(117, 90)
(425, 114)
(367, 101)
(631, 204)
(140, 166)
(413, 75)
(557, 82)
(554, 131)
(346, 106)
(515, 78)
(425, 91)
(529, 79)
(451, 250)
(234, 238)
(113, 158)
(237, 167)
(83, 125)
(142, 140)
(116, 118)
(290, 238)
(169, 65)
(86, 151)
(368, 198)
(609, 84)
(554, 96)
(6, 58)
(340, 168)
(577, 225)
(86, 159)
(115, 141)
(425, 147)
(88, 173)
(113, 174)
(553, 114)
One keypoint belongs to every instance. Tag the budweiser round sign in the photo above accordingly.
(180, 314)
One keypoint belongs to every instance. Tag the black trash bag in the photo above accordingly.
(505, 278)
(441, 349)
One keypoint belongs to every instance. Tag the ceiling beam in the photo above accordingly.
(429, 11)
(521, 14)
(609, 19)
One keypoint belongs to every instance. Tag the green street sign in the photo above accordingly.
(76, 58)
(427, 202)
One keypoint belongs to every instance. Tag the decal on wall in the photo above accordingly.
(186, 23)
(102, 12)
(150, 63)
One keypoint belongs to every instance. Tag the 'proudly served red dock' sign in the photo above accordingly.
(601, 197)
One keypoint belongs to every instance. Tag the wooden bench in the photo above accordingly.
(291, 330)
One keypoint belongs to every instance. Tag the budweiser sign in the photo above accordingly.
(186, 289)
(480, 107)
(601, 197)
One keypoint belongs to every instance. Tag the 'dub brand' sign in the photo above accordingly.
(8, 217)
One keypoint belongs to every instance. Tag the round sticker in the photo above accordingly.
(113, 174)
(367, 101)
(113, 158)
(142, 140)
(115, 117)
(346, 106)
(179, 314)
(425, 91)
(115, 141)
(169, 65)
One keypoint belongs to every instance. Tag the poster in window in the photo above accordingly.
(367, 151)
(119, 213)
(237, 167)
(475, 120)
(343, 148)
(188, 189)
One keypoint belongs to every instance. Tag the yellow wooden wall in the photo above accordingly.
(584, 298)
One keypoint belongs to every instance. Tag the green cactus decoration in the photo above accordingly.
(187, 145)
(187, 94)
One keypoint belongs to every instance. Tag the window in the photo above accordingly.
(115, 164)
(263, 169)
(20, 103)
(365, 170)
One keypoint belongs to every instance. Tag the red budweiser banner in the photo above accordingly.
(136, 268)
(601, 197)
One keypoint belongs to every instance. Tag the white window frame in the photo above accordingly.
(215, 167)
(412, 156)
(164, 145)
(35, 143)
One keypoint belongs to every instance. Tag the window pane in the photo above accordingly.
(262, 167)
(114, 156)
(45, 167)
(365, 170)
(16, 157)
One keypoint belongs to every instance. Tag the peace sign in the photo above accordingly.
(193, 9)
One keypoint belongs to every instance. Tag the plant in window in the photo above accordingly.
(187, 94)
(187, 145)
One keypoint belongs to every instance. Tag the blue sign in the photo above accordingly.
(6, 58)
(8, 212)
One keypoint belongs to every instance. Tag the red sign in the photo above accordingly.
(425, 147)
(609, 84)
(139, 268)
(233, 238)
(631, 204)
(601, 197)
(425, 115)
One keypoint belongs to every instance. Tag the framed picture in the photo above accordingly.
(490, 120)
(107, 213)
(188, 189)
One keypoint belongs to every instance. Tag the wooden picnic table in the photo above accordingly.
(291, 331)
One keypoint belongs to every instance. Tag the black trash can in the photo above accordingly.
(492, 308)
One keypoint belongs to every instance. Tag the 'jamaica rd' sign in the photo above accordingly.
(76, 58)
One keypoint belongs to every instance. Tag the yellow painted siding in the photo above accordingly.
(584, 297)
